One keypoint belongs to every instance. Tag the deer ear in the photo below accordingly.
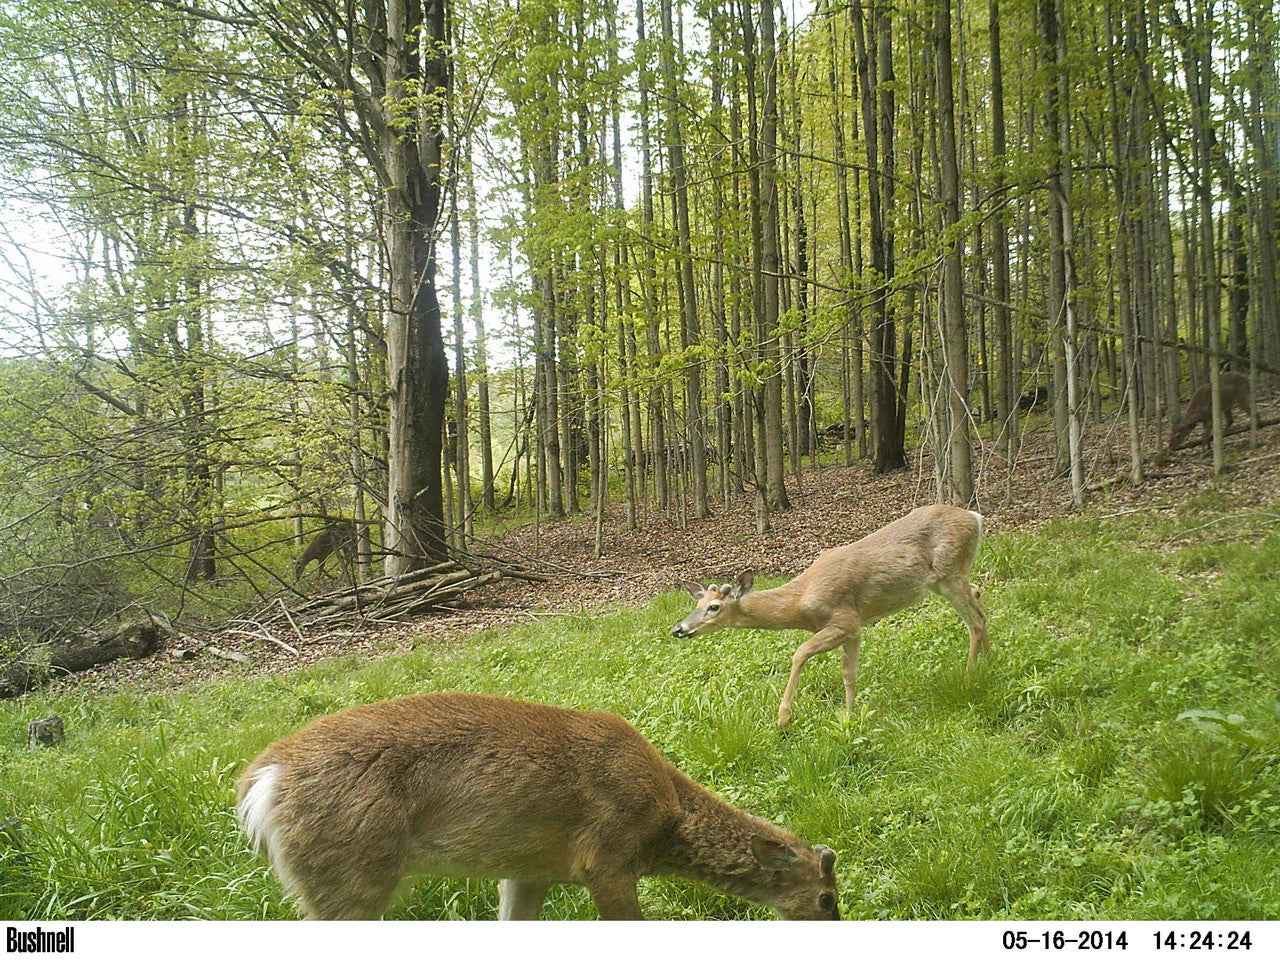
(827, 859)
(772, 854)
(744, 583)
(695, 589)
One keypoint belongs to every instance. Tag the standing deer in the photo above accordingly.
(337, 535)
(461, 785)
(1234, 388)
(850, 587)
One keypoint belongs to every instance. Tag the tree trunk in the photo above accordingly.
(955, 335)
(1006, 387)
(417, 368)
(691, 330)
(768, 331)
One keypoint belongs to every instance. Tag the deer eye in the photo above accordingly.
(827, 902)
(713, 608)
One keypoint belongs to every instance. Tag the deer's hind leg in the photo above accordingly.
(355, 895)
(964, 597)
(351, 879)
(849, 667)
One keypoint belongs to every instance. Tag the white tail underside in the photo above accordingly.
(256, 811)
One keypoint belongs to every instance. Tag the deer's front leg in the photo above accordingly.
(521, 899)
(615, 897)
(828, 638)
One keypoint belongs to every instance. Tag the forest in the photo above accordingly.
(560, 303)
(265, 270)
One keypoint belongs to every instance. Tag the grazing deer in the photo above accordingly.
(461, 785)
(850, 587)
(1234, 388)
(337, 535)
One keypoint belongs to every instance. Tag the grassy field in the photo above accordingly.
(1064, 780)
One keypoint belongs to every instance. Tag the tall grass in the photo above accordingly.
(1057, 782)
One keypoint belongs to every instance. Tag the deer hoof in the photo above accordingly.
(784, 717)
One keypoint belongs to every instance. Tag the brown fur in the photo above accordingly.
(338, 535)
(1234, 388)
(930, 549)
(462, 784)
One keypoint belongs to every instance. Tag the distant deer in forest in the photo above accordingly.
(337, 536)
(463, 785)
(850, 587)
(1234, 388)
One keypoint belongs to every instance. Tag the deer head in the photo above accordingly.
(806, 880)
(717, 605)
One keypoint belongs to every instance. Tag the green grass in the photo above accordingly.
(1057, 782)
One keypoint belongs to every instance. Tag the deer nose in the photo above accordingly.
(677, 630)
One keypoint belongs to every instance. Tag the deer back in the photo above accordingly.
(896, 565)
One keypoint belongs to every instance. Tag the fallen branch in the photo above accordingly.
(227, 654)
(1121, 479)
(285, 610)
(263, 634)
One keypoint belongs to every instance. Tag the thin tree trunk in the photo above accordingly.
(770, 318)
(955, 335)
(691, 330)
(1006, 387)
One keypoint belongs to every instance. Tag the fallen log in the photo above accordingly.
(37, 663)
(1207, 436)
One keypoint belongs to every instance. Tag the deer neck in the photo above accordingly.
(777, 609)
(711, 843)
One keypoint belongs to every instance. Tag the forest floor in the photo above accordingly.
(830, 505)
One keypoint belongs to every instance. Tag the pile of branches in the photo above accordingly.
(385, 599)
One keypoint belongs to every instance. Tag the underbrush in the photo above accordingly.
(1116, 757)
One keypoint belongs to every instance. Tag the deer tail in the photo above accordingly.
(982, 526)
(259, 796)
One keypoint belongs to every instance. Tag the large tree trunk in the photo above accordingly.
(1197, 70)
(875, 74)
(1264, 136)
(1061, 305)
(418, 369)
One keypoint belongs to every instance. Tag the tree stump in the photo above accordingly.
(44, 733)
